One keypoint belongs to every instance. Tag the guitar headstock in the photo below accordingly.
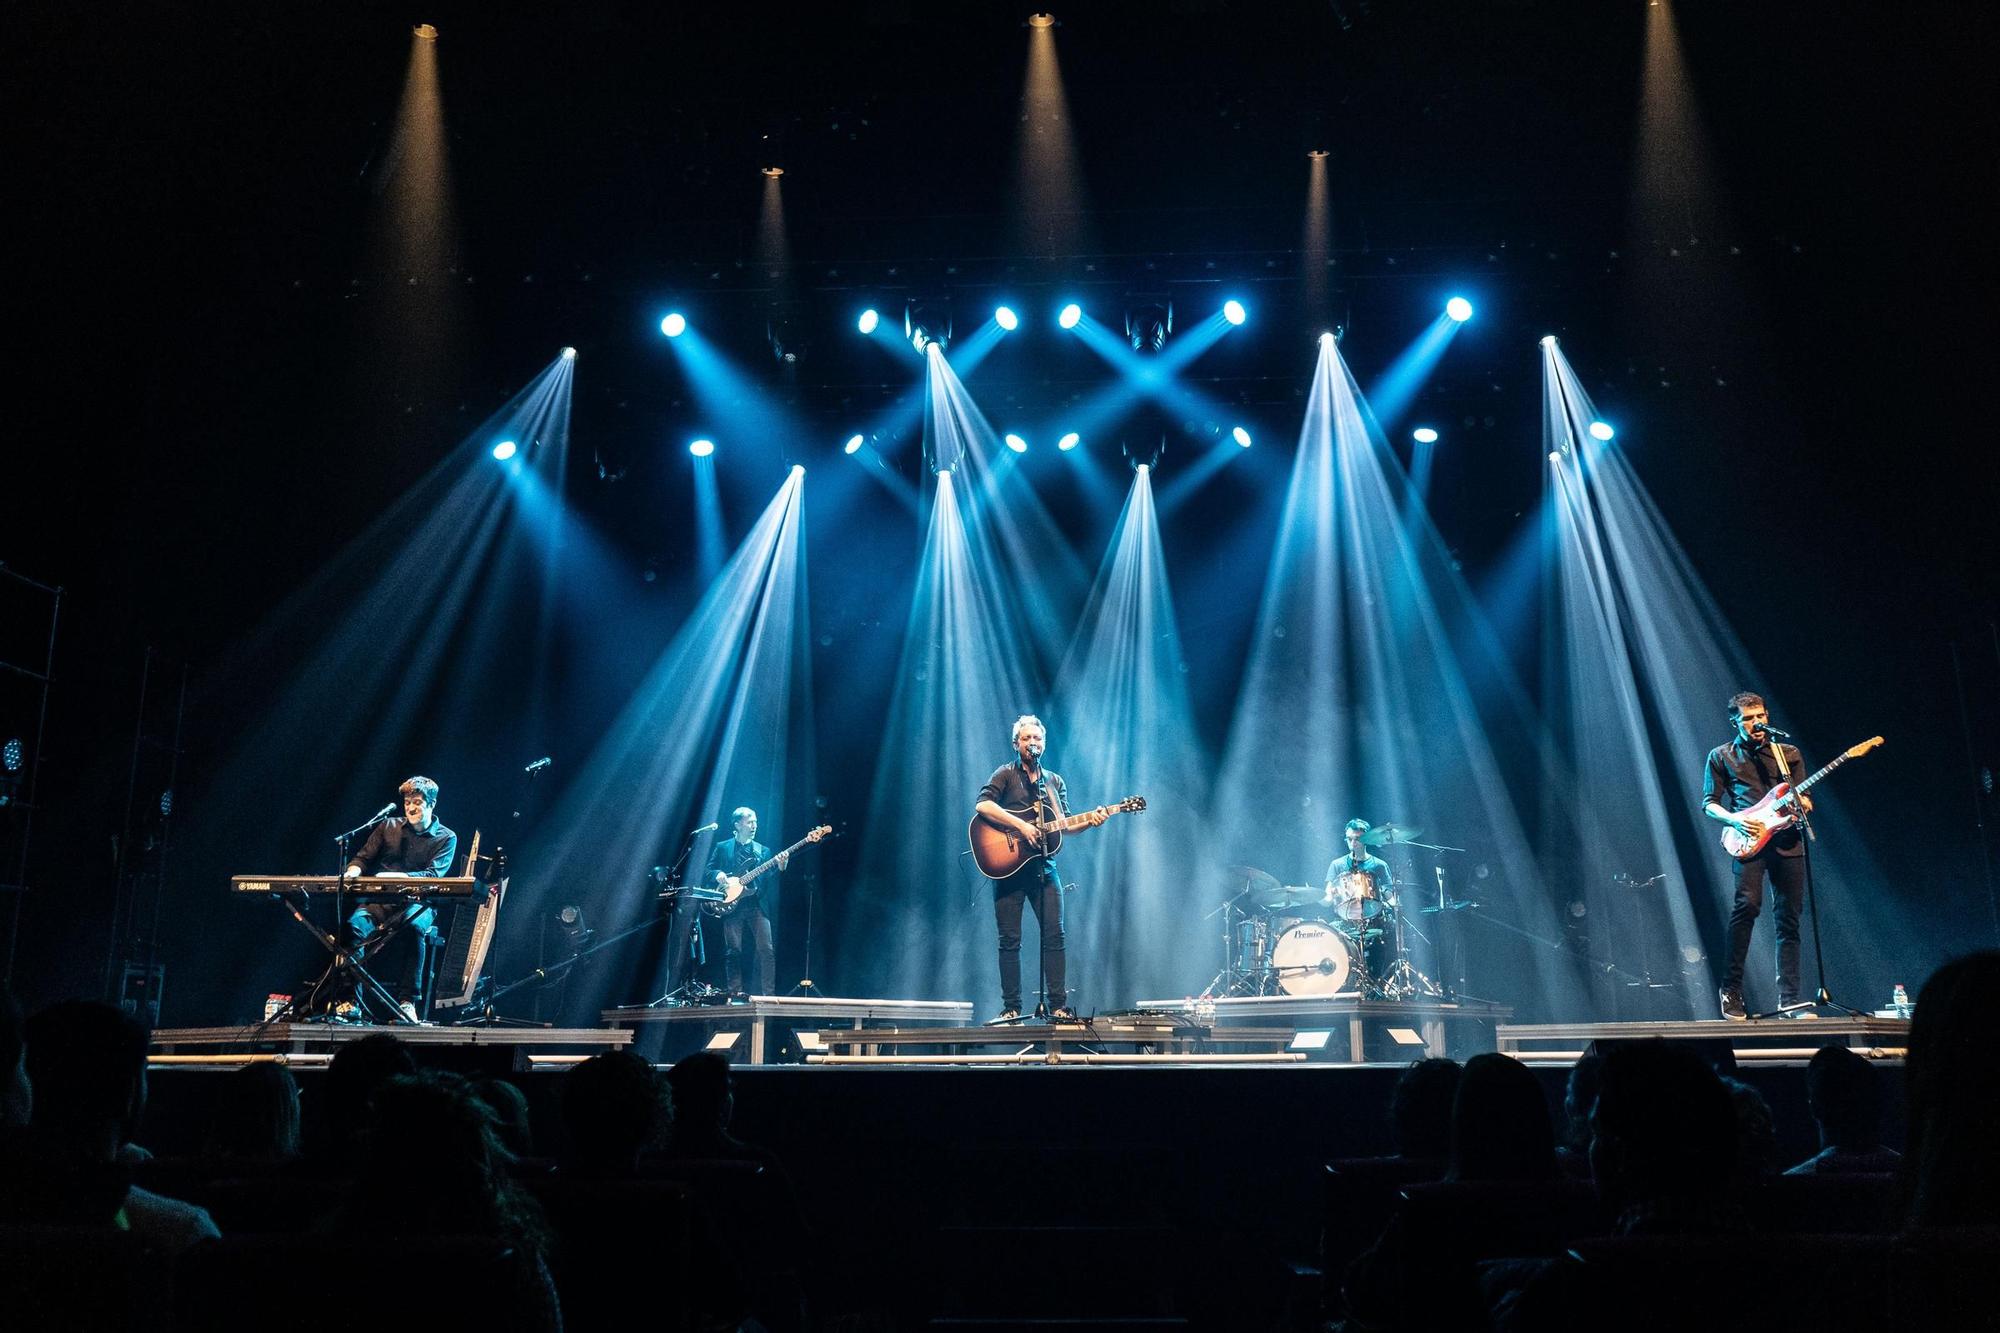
(1855, 752)
(824, 830)
(1132, 805)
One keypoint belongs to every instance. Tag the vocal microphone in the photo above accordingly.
(537, 766)
(373, 820)
(705, 828)
(1774, 731)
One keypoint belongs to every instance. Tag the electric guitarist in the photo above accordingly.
(1736, 777)
(1026, 785)
(750, 921)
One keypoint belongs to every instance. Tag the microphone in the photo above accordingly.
(537, 766)
(705, 828)
(384, 812)
(1775, 731)
(373, 820)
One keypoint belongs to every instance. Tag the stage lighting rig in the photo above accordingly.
(787, 338)
(927, 324)
(1148, 324)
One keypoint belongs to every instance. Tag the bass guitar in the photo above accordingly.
(1000, 850)
(736, 887)
(1778, 810)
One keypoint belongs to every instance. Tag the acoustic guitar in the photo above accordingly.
(999, 850)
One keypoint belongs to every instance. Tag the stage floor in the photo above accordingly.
(315, 1043)
(757, 1017)
(1762, 1040)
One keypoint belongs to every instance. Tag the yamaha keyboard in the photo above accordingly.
(381, 888)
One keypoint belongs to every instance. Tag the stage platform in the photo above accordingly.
(761, 1013)
(1765, 1040)
(315, 1043)
(1395, 1031)
(1103, 1039)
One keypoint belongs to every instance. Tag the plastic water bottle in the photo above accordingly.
(1899, 1000)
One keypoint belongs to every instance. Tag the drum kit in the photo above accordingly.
(1348, 937)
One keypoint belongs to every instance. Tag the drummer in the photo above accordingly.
(1374, 882)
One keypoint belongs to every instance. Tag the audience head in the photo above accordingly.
(704, 1092)
(1663, 1127)
(87, 1062)
(457, 1182)
(1845, 1094)
(257, 1116)
(1500, 1126)
(509, 1106)
(17, 1097)
(1579, 1095)
(358, 1068)
(1951, 1170)
(615, 1106)
(1420, 1108)
(1756, 1131)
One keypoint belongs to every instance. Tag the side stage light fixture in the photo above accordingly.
(674, 325)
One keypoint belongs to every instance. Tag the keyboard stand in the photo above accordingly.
(345, 964)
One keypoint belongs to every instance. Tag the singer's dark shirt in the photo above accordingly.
(394, 845)
(1011, 788)
(731, 857)
(1737, 776)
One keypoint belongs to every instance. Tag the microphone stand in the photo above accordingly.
(672, 880)
(1822, 998)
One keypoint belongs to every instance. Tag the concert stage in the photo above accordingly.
(701, 1024)
(520, 1048)
(1760, 1040)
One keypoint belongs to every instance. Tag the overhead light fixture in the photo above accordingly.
(1424, 435)
(869, 319)
(1006, 318)
(1070, 315)
(1234, 312)
(505, 450)
(774, 172)
(1601, 430)
(1317, 154)
(1459, 309)
(853, 445)
(927, 325)
(1041, 20)
(1069, 442)
(1241, 436)
(426, 31)
(1148, 325)
(701, 448)
(569, 354)
(1016, 443)
(674, 325)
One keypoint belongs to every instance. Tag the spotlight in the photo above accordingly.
(1548, 340)
(1144, 468)
(1601, 430)
(1327, 339)
(1241, 436)
(569, 354)
(1017, 444)
(1424, 435)
(166, 803)
(1006, 319)
(1317, 154)
(798, 469)
(1555, 457)
(10, 755)
(869, 319)
(774, 172)
(1148, 323)
(853, 445)
(505, 450)
(1069, 442)
(787, 339)
(1458, 308)
(1233, 312)
(674, 325)
(427, 31)
(1071, 313)
(1041, 20)
(701, 448)
(927, 325)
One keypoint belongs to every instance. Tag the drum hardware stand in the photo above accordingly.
(1233, 978)
(1403, 981)
(805, 986)
(1822, 998)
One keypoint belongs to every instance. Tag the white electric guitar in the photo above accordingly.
(1778, 810)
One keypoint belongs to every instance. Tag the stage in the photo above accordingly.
(756, 1019)
(307, 1044)
(1760, 1040)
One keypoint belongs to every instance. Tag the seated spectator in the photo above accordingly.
(427, 1162)
(358, 1068)
(1951, 1172)
(87, 1064)
(509, 1106)
(1420, 1109)
(1844, 1092)
(1579, 1095)
(1664, 1142)
(615, 1106)
(1500, 1127)
(254, 1124)
(1756, 1132)
(17, 1095)
(704, 1103)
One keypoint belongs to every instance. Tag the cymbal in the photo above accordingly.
(1259, 881)
(1290, 895)
(1382, 835)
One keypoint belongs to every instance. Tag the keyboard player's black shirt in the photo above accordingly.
(394, 845)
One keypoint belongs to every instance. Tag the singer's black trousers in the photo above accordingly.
(1787, 876)
(1038, 885)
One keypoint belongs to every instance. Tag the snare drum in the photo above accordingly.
(1312, 959)
(1356, 896)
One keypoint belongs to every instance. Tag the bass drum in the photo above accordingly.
(1312, 958)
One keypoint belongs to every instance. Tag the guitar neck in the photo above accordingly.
(1799, 787)
(762, 866)
(1072, 823)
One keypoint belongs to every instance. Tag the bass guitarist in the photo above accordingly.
(1737, 776)
(1025, 786)
(751, 920)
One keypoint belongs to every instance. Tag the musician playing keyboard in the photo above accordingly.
(416, 846)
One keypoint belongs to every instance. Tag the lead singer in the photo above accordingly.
(1014, 789)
